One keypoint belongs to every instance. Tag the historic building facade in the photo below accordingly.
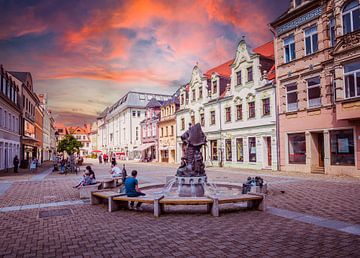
(119, 124)
(318, 67)
(235, 104)
(167, 130)
(10, 114)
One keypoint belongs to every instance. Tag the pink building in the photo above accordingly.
(150, 131)
(318, 78)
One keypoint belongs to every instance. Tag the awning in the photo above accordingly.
(96, 151)
(144, 146)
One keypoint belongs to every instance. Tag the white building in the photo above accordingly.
(47, 150)
(235, 104)
(119, 125)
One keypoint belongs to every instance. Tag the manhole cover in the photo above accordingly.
(55, 213)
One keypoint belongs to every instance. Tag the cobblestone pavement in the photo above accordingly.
(90, 231)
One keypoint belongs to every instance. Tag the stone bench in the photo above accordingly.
(85, 191)
(185, 201)
(98, 197)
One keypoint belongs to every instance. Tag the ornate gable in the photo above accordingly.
(196, 76)
(243, 54)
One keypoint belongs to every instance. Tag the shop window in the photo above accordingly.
(250, 74)
(202, 119)
(314, 92)
(228, 152)
(228, 114)
(297, 148)
(351, 17)
(352, 80)
(291, 97)
(342, 147)
(239, 150)
(266, 106)
(214, 150)
(289, 49)
(311, 40)
(252, 149)
(251, 106)
(239, 112)
(238, 78)
(212, 117)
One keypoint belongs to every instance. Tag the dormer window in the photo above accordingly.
(351, 17)
(214, 88)
(238, 78)
(250, 74)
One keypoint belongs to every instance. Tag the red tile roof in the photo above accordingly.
(266, 50)
(223, 69)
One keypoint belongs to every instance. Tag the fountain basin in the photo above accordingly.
(191, 186)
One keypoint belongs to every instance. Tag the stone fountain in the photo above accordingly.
(190, 176)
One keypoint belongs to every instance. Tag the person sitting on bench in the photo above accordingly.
(132, 189)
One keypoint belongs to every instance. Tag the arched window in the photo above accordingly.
(351, 16)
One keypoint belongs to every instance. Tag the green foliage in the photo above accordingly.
(69, 144)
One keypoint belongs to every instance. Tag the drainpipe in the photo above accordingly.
(277, 129)
(221, 143)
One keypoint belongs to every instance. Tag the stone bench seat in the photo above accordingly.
(85, 191)
(186, 200)
(98, 197)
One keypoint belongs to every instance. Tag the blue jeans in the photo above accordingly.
(136, 194)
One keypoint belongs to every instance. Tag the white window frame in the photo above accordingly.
(357, 94)
(311, 34)
(351, 18)
(332, 25)
(287, 104)
(311, 87)
(291, 58)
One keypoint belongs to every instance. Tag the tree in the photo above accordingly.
(69, 144)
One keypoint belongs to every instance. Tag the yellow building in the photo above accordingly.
(167, 131)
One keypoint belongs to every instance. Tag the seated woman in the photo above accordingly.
(87, 179)
(92, 174)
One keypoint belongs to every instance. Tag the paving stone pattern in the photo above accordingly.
(91, 231)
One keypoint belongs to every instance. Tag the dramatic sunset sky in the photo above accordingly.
(86, 54)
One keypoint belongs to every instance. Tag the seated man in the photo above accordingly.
(115, 171)
(132, 189)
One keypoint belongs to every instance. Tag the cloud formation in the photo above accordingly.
(97, 50)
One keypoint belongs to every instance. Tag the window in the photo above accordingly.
(239, 150)
(137, 133)
(314, 92)
(214, 83)
(238, 78)
(172, 130)
(228, 114)
(332, 33)
(193, 95)
(266, 106)
(239, 112)
(251, 109)
(167, 131)
(193, 120)
(228, 152)
(111, 137)
(250, 74)
(202, 119)
(214, 149)
(212, 117)
(138, 113)
(352, 80)
(182, 99)
(342, 147)
(297, 148)
(200, 93)
(311, 40)
(252, 149)
(134, 113)
(351, 17)
(291, 97)
(182, 124)
(154, 129)
(289, 48)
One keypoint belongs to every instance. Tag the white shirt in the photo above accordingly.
(116, 171)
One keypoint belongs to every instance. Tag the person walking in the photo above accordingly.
(33, 165)
(16, 163)
(100, 159)
(132, 189)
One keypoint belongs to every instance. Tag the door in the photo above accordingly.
(321, 149)
(269, 156)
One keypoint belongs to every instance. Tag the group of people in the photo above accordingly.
(104, 157)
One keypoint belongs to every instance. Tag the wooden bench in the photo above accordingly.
(185, 201)
(85, 191)
(254, 201)
(122, 201)
(98, 197)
